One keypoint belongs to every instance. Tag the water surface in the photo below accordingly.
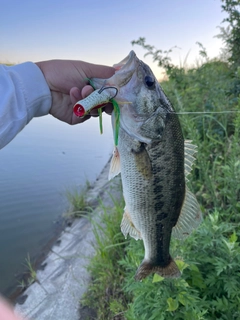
(47, 158)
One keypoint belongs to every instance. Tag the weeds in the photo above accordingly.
(79, 205)
(31, 273)
(22, 285)
(208, 287)
(105, 293)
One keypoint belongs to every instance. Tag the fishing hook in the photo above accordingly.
(104, 88)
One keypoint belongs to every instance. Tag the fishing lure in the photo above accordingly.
(116, 110)
(96, 100)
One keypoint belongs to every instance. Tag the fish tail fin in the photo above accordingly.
(146, 268)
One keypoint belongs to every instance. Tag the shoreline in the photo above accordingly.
(13, 292)
(63, 221)
(62, 278)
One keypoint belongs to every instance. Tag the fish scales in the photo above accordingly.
(158, 195)
(154, 161)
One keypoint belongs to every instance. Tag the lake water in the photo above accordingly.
(47, 158)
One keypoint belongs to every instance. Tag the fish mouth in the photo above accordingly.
(127, 62)
(124, 70)
(123, 74)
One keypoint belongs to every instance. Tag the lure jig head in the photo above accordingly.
(97, 99)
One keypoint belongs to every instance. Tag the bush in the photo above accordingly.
(208, 288)
(232, 8)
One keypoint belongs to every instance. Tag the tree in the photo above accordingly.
(232, 8)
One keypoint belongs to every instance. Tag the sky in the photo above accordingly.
(101, 31)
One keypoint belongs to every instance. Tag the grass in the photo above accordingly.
(105, 293)
(7, 64)
(78, 204)
(30, 274)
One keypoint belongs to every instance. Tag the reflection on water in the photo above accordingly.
(47, 158)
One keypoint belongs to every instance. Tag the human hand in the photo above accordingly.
(67, 80)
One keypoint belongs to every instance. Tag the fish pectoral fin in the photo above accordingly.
(115, 168)
(189, 151)
(190, 217)
(142, 159)
(127, 227)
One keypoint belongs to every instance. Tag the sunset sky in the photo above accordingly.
(101, 31)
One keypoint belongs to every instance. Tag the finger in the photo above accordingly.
(86, 91)
(94, 112)
(75, 95)
(76, 120)
(108, 108)
(97, 71)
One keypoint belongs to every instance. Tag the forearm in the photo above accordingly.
(24, 94)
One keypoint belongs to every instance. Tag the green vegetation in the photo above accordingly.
(209, 259)
(7, 64)
(78, 204)
(208, 288)
(31, 273)
(29, 276)
(106, 294)
(232, 8)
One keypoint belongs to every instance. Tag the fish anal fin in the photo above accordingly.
(115, 167)
(127, 227)
(190, 217)
(146, 268)
(189, 151)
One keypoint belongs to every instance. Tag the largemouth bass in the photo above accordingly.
(154, 161)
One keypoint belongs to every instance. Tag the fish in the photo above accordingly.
(154, 162)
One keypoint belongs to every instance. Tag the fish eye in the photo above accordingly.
(150, 82)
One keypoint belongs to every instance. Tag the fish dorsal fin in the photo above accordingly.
(190, 217)
(127, 227)
(115, 168)
(189, 151)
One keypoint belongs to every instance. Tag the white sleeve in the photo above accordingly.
(24, 94)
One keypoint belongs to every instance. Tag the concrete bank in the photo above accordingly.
(64, 279)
